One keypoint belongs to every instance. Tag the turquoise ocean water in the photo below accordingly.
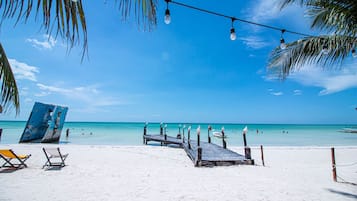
(107, 133)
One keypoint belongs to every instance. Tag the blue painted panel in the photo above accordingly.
(45, 123)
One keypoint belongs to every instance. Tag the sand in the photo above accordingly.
(104, 172)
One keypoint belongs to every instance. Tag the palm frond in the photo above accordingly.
(69, 17)
(145, 12)
(310, 51)
(339, 16)
(9, 91)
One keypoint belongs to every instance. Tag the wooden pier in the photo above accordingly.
(203, 153)
(164, 140)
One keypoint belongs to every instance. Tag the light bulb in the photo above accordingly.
(282, 44)
(233, 35)
(325, 49)
(354, 54)
(167, 17)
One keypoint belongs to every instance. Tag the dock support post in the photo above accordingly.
(244, 140)
(161, 129)
(179, 133)
(262, 153)
(334, 171)
(188, 136)
(198, 157)
(183, 134)
(247, 152)
(224, 144)
(209, 130)
(145, 132)
(198, 136)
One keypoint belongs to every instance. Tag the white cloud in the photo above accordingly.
(265, 10)
(23, 71)
(275, 93)
(48, 42)
(297, 92)
(89, 95)
(28, 100)
(279, 93)
(254, 42)
(330, 81)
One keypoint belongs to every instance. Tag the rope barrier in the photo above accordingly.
(346, 165)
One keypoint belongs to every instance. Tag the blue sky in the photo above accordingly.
(188, 71)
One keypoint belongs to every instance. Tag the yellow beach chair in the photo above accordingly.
(54, 157)
(8, 155)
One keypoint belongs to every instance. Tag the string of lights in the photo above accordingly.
(233, 35)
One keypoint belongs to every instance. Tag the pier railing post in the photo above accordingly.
(209, 130)
(224, 144)
(188, 137)
(145, 133)
(244, 140)
(165, 134)
(247, 151)
(161, 129)
(183, 134)
(198, 136)
(334, 171)
(198, 161)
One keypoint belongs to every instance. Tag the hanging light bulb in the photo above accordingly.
(167, 17)
(282, 41)
(325, 49)
(233, 35)
(282, 44)
(354, 54)
(167, 13)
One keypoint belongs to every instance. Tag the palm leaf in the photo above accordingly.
(145, 11)
(9, 91)
(339, 16)
(336, 16)
(309, 51)
(69, 18)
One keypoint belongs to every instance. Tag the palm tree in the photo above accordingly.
(70, 24)
(337, 17)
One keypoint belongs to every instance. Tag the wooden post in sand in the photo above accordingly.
(334, 172)
(262, 153)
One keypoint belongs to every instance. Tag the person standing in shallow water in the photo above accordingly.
(67, 132)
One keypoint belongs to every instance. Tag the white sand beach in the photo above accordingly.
(163, 173)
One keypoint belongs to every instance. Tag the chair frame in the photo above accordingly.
(49, 163)
(10, 164)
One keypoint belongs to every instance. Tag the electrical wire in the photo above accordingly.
(236, 19)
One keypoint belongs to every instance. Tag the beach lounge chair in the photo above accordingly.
(8, 155)
(54, 157)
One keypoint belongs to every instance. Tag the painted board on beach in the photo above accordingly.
(45, 123)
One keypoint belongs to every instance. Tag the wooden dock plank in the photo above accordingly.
(161, 138)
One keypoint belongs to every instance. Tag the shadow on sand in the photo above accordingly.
(8, 170)
(350, 195)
